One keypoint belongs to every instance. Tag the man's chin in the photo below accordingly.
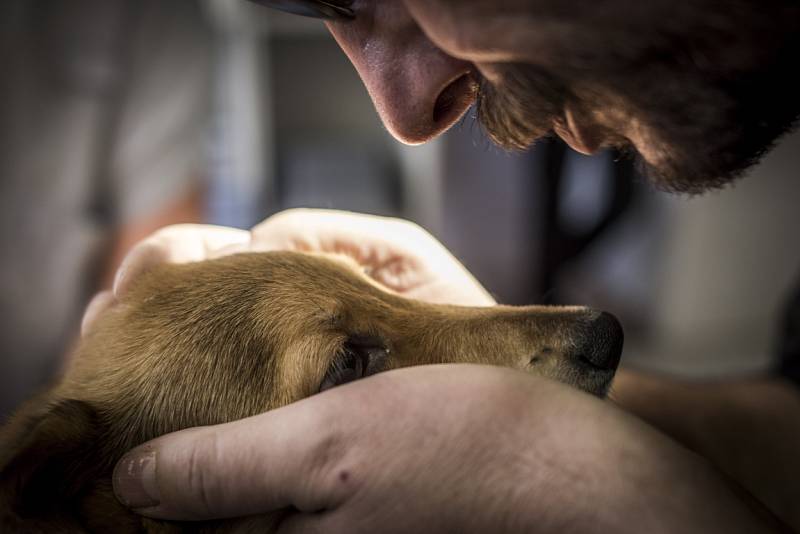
(686, 177)
(691, 159)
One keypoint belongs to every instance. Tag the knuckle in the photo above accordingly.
(411, 226)
(285, 222)
(327, 452)
(202, 484)
(289, 216)
(413, 231)
(330, 476)
(139, 260)
(276, 220)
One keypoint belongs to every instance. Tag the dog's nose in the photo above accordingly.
(601, 345)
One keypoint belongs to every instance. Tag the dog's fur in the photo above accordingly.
(215, 341)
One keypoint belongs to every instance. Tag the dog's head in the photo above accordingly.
(210, 342)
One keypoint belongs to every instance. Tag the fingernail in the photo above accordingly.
(135, 479)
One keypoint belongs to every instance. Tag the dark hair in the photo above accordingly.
(715, 91)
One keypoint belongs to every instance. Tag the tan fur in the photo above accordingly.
(215, 341)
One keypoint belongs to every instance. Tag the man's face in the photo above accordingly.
(699, 90)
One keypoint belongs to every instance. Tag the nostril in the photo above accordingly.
(454, 99)
(602, 343)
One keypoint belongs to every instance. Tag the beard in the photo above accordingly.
(707, 124)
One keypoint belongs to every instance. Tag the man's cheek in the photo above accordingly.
(481, 31)
(460, 28)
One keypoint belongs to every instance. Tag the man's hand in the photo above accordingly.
(396, 253)
(433, 449)
(451, 448)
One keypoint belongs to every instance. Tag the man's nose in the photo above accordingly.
(418, 90)
(600, 342)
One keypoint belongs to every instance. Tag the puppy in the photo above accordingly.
(215, 341)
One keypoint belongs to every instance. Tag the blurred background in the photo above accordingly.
(120, 116)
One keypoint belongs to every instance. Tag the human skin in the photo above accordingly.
(746, 426)
(419, 60)
(699, 90)
(429, 430)
(510, 458)
(398, 254)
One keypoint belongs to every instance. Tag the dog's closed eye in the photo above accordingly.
(361, 356)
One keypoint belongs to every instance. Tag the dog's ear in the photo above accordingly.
(49, 460)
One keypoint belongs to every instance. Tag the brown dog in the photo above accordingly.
(211, 342)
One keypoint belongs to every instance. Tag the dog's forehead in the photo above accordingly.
(345, 264)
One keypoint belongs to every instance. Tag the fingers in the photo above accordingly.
(392, 252)
(398, 254)
(97, 306)
(313, 456)
(282, 458)
(365, 238)
(178, 244)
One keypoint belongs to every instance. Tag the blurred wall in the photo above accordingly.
(730, 260)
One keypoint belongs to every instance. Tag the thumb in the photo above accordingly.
(283, 458)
